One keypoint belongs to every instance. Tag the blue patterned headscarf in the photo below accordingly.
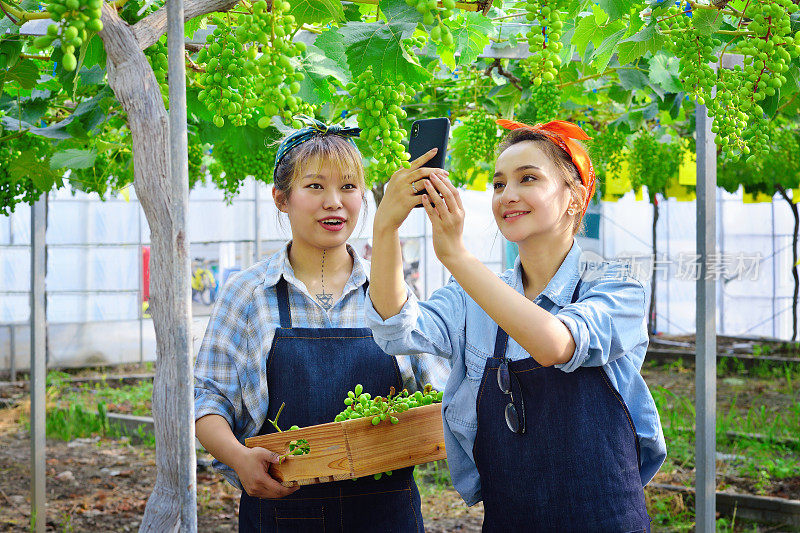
(314, 127)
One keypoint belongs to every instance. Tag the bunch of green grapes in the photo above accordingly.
(652, 162)
(696, 53)
(15, 191)
(543, 105)
(230, 167)
(433, 15)
(74, 20)
(731, 121)
(361, 404)
(544, 41)
(196, 150)
(379, 116)
(157, 56)
(481, 136)
(607, 150)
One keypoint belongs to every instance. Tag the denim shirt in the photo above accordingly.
(607, 323)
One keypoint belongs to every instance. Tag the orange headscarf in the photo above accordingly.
(561, 133)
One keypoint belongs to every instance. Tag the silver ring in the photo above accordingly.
(414, 188)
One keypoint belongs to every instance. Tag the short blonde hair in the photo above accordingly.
(333, 149)
(562, 161)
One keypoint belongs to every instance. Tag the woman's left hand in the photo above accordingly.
(446, 214)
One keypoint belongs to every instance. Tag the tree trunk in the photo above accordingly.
(795, 275)
(135, 86)
(651, 321)
(377, 192)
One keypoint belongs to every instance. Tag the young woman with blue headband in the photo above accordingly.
(291, 330)
(546, 417)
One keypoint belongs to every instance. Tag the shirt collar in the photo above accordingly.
(278, 265)
(562, 285)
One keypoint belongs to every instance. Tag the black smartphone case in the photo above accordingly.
(427, 134)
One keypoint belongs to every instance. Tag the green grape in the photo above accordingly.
(607, 150)
(544, 41)
(15, 191)
(434, 15)
(379, 409)
(157, 56)
(696, 53)
(230, 167)
(481, 136)
(196, 150)
(74, 20)
(380, 115)
(543, 105)
(249, 67)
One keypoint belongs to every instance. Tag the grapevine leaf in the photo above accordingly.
(95, 53)
(316, 67)
(397, 11)
(9, 52)
(637, 45)
(379, 46)
(664, 73)
(7, 26)
(73, 158)
(632, 78)
(196, 108)
(25, 72)
(316, 11)
(471, 36)
(92, 76)
(584, 31)
(602, 55)
(792, 78)
(332, 45)
(600, 16)
(197, 23)
(507, 97)
(706, 21)
(770, 103)
(616, 9)
(28, 167)
(54, 131)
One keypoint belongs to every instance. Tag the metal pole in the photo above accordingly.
(141, 284)
(706, 338)
(12, 363)
(774, 273)
(256, 221)
(38, 363)
(179, 178)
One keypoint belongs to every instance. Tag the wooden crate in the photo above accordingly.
(356, 448)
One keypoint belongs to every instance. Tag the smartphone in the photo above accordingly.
(427, 134)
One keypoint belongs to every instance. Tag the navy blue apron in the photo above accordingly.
(576, 466)
(311, 370)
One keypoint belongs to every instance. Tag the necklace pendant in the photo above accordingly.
(325, 299)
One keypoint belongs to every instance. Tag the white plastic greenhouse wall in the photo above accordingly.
(95, 282)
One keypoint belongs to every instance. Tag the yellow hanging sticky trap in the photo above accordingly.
(619, 183)
(687, 172)
(125, 194)
(639, 194)
(748, 198)
(479, 182)
(763, 198)
(795, 196)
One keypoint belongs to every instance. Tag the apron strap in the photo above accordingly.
(501, 340)
(282, 288)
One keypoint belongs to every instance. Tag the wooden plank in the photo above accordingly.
(327, 461)
(356, 448)
(417, 438)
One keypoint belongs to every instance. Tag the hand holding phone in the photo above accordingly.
(427, 134)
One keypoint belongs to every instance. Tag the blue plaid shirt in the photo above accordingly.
(230, 377)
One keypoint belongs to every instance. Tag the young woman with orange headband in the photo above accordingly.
(546, 417)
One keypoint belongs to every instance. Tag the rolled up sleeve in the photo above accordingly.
(217, 389)
(435, 326)
(607, 321)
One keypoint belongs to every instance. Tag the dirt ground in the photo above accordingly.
(103, 485)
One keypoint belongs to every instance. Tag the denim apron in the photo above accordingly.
(576, 467)
(311, 370)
